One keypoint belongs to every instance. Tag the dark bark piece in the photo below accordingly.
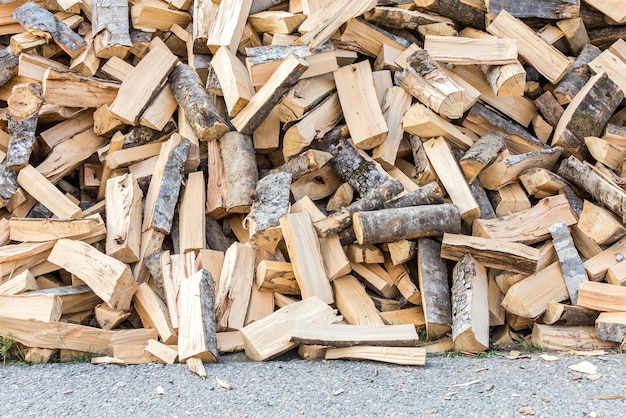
(432, 274)
(549, 107)
(482, 119)
(568, 315)
(395, 17)
(271, 202)
(583, 176)
(161, 214)
(215, 238)
(576, 77)
(456, 10)
(8, 183)
(571, 264)
(23, 112)
(430, 194)
(482, 153)
(603, 37)
(544, 9)
(110, 28)
(8, 65)
(390, 225)
(41, 22)
(482, 200)
(199, 109)
(241, 171)
(372, 200)
(361, 174)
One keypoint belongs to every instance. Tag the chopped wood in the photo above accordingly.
(341, 335)
(602, 297)
(611, 326)
(409, 356)
(353, 302)
(568, 315)
(482, 153)
(432, 274)
(550, 337)
(234, 286)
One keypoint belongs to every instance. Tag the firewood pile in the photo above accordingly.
(358, 179)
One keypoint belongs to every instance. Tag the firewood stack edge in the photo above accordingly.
(357, 179)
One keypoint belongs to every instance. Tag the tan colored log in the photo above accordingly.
(234, 286)
(432, 275)
(396, 103)
(470, 309)
(276, 276)
(342, 335)
(270, 336)
(153, 313)
(109, 318)
(304, 251)
(137, 90)
(110, 279)
(409, 356)
(21, 283)
(191, 214)
(529, 226)
(482, 153)
(229, 342)
(45, 308)
(602, 297)
(616, 274)
(354, 303)
(368, 127)
(47, 194)
(377, 279)
(611, 326)
(196, 332)
(424, 123)
(39, 230)
(600, 224)
(560, 314)
(568, 338)
(464, 51)
(413, 316)
(304, 96)
(123, 205)
(227, 26)
(450, 175)
(163, 352)
(367, 253)
(531, 47)
(233, 78)
(503, 255)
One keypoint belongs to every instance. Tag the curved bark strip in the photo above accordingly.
(8, 65)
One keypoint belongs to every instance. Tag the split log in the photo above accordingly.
(240, 169)
(270, 336)
(367, 253)
(195, 101)
(202, 17)
(430, 194)
(584, 176)
(397, 18)
(601, 297)
(600, 225)
(528, 226)
(423, 122)
(68, 88)
(606, 153)
(577, 76)
(153, 313)
(305, 163)
(276, 276)
(109, 278)
(575, 33)
(390, 225)
(233, 78)
(21, 283)
(458, 10)
(470, 309)
(482, 153)
(450, 175)
(460, 50)
(268, 96)
(399, 276)
(123, 206)
(549, 61)
(396, 102)
(568, 338)
(41, 189)
(110, 28)
(234, 287)
(343, 335)
(560, 314)
(432, 274)
(40, 22)
(303, 97)
(304, 251)
(587, 114)
(550, 108)
(197, 336)
(424, 79)
(571, 265)
(502, 255)
(167, 176)
(216, 183)
(23, 112)
(108, 318)
(530, 297)
(353, 302)
(271, 202)
(191, 216)
(355, 87)
(409, 356)
(611, 326)
(551, 9)
(45, 308)
(227, 26)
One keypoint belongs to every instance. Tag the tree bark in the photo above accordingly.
(197, 104)
(543, 9)
(483, 152)
(571, 264)
(457, 10)
(8, 65)
(110, 28)
(429, 194)
(577, 76)
(583, 176)
(304, 163)
(549, 107)
(390, 225)
(23, 112)
(241, 171)
(394, 17)
(432, 274)
(568, 315)
(271, 202)
(41, 22)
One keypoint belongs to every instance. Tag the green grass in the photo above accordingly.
(83, 357)
(10, 349)
(531, 347)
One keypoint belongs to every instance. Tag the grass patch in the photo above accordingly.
(82, 357)
(531, 347)
(10, 349)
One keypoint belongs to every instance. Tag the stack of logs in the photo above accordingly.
(359, 178)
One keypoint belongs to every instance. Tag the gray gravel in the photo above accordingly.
(485, 387)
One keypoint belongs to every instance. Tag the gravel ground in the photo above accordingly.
(460, 386)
